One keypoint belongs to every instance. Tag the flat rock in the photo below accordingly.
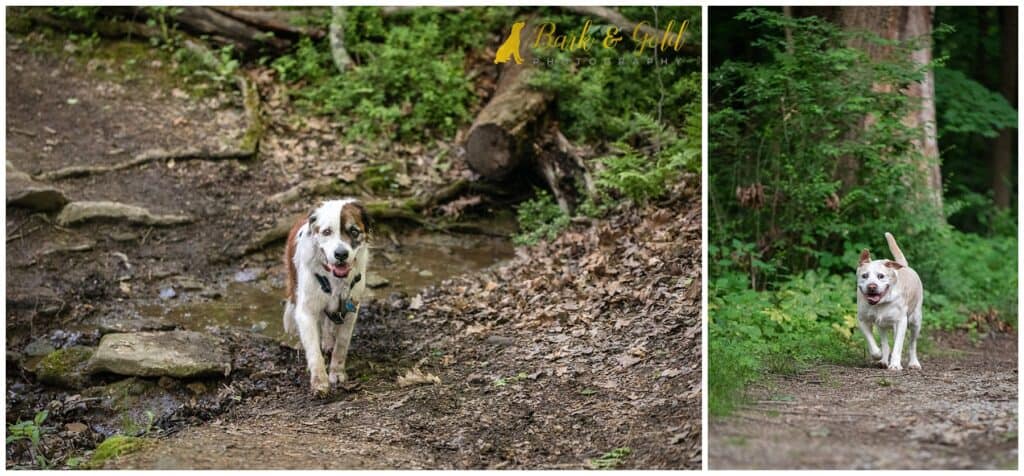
(179, 354)
(39, 347)
(23, 191)
(114, 324)
(32, 297)
(374, 280)
(79, 212)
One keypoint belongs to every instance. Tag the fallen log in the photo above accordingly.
(103, 27)
(499, 140)
(514, 132)
(280, 21)
(207, 21)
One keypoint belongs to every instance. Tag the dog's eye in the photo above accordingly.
(326, 232)
(353, 231)
(881, 276)
(865, 275)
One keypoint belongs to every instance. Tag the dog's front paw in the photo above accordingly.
(882, 363)
(337, 376)
(320, 384)
(895, 366)
(914, 365)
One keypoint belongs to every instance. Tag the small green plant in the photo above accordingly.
(611, 459)
(641, 176)
(131, 427)
(501, 382)
(217, 66)
(32, 431)
(114, 447)
(539, 218)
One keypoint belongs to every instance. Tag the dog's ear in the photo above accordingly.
(893, 264)
(312, 222)
(865, 256)
(363, 216)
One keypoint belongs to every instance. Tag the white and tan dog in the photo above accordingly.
(326, 258)
(889, 297)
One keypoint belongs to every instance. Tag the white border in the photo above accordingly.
(704, 153)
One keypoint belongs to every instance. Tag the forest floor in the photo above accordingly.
(583, 352)
(959, 412)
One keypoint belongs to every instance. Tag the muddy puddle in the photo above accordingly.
(401, 262)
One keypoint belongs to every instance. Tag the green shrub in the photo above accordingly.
(810, 318)
(643, 176)
(408, 82)
(967, 107)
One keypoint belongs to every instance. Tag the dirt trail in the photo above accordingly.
(959, 412)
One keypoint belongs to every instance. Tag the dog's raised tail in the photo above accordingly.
(897, 255)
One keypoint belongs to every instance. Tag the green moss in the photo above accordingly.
(115, 447)
(65, 367)
(380, 178)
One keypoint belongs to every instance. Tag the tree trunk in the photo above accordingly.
(1002, 153)
(902, 24)
(342, 60)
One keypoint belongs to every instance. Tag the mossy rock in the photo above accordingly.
(65, 367)
(115, 447)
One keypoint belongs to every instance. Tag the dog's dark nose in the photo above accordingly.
(872, 287)
(340, 254)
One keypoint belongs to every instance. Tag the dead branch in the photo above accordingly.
(628, 26)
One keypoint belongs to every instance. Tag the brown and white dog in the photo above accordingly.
(889, 297)
(326, 259)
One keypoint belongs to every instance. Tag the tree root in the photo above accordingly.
(248, 148)
(151, 155)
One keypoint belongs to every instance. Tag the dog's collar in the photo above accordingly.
(338, 316)
(325, 284)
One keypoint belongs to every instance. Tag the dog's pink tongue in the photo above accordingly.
(340, 271)
(873, 299)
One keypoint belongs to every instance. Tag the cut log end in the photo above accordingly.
(491, 151)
